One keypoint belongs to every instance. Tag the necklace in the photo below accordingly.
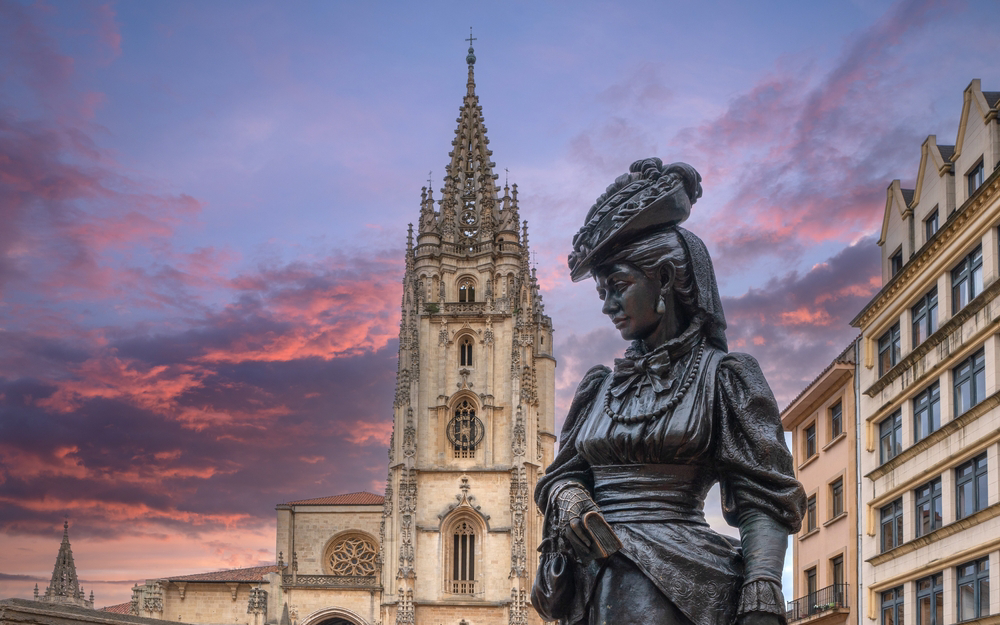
(670, 405)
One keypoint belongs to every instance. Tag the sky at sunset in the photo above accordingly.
(203, 209)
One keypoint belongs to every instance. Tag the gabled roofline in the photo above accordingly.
(972, 93)
(893, 193)
(929, 149)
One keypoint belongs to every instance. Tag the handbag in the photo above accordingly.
(552, 592)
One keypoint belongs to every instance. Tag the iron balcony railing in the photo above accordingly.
(822, 600)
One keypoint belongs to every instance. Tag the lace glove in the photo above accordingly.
(572, 501)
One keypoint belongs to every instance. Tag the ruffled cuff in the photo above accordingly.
(762, 595)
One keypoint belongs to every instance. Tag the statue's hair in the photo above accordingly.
(651, 253)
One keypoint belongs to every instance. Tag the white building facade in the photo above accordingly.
(929, 389)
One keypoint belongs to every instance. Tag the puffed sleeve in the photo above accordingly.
(760, 494)
(568, 465)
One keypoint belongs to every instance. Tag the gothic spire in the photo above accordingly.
(64, 587)
(468, 206)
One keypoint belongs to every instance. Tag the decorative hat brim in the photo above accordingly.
(611, 231)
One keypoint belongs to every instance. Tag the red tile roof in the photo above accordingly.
(119, 608)
(249, 574)
(350, 499)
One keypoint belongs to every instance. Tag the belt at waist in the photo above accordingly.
(652, 492)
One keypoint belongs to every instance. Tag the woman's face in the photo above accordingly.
(630, 299)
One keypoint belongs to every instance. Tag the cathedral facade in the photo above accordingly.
(452, 541)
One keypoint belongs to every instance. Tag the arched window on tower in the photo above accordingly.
(466, 291)
(463, 559)
(465, 430)
(465, 352)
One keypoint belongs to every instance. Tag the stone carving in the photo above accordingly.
(518, 442)
(409, 436)
(402, 388)
(134, 603)
(407, 508)
(464, 382)
(404, 607)
(257, 604)
(529, 392)
(518, 507)
(152, 598)
(463, 498)
(330, 581)
(518, 607)
(642, 514)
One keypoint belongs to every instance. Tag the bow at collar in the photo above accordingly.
(638, 369)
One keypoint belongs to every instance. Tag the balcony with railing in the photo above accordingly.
(829, 601)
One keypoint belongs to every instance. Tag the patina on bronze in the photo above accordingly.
(625, 537)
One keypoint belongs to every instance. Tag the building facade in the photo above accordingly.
(453, 539)
(929, 407)
(824, 448)
(474, 407)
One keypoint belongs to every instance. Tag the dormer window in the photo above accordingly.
(896, 262)
(466, 291)
(931, 225)
(975, 177)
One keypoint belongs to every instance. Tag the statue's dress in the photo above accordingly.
(650, 480)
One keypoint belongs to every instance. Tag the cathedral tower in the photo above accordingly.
(474, 405)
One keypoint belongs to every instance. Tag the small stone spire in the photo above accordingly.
(64, 587)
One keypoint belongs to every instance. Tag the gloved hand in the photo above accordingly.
(572, 502)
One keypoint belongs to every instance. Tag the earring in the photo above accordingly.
(661, 306)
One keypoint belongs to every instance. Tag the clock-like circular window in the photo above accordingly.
(465, 431)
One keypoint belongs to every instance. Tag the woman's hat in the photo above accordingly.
(649, 197)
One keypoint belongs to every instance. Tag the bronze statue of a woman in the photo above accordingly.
(625, 536)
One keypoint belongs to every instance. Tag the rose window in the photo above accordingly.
(353, 556)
